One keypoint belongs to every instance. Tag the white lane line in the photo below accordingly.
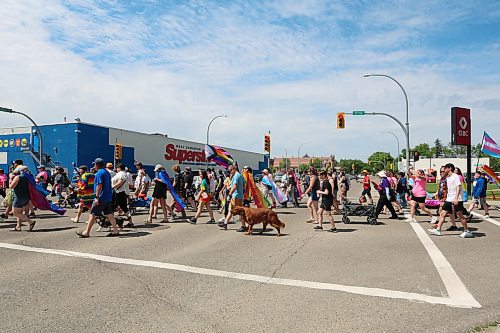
(454, 286)
(376, 292)
(486, 218)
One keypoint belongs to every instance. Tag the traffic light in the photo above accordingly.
(118, 151)
(340, 120)
(267, 143)
(416, 156)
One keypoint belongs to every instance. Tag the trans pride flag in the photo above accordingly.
(218, 155)
(490, 147)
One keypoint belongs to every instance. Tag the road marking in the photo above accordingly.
(486, 218)
(457, 299)
(454, 286)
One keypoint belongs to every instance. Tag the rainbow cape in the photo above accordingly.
(38, 194)
(282, 198)
(218, 155)
(489, 146)
(489, 171)
(179, 203)
(252, 189)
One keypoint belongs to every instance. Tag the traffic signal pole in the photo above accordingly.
(405, 131)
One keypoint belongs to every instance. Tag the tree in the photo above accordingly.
(284, 164)
(359, 166)
(303, 167)
(437, 150)
(315, 163)
(423, 149)
(380, 160)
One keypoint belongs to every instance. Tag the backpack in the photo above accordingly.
(179, 181)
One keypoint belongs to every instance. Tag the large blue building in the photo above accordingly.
(80, 143)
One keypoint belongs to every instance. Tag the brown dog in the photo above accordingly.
(257, 215)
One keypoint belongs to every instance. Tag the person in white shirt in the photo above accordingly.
(454, 202)
(120, 185)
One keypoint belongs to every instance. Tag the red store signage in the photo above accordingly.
(460, 126)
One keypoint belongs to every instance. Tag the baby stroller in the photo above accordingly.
(358, 210)
(136, 203)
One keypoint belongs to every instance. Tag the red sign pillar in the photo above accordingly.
(461, 136)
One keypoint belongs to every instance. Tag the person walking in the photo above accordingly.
(204, 198)
(120, 186)
(402, 190)
(453, 204)
(418, 197)
(189, 188)
(159, 196)
(42, 178)
(385, 196)
(267, 188)
(479, 194)
(293, 188)
(366, 187)
(20, 186)
(85, 191)
(326, 193)
(332, 178)
(102, 202)
(312, 202)
(236, 193)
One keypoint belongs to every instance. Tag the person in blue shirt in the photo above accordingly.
(479, 194)
(236, 194)
(103, 200)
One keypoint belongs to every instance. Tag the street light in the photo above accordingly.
(395, 136)
(40, 145)
(298, 151)
(407, 134)
(208, 129)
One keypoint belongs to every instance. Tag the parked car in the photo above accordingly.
(278, 177)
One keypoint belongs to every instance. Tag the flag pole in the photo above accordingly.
(479, 152)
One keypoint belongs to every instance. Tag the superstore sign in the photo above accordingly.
(183, 154)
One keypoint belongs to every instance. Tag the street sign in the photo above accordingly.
(460, 126)
(358, 113)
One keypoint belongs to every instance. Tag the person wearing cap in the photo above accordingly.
(366, 187)
(236, 193)
(418, 195)
(42, 178)
(102, 202)
(109, 168)
(159, 196)
(453, 203)
(121, 188)
(61, 181)
(385, 196)
(85, 191)
(20, 185)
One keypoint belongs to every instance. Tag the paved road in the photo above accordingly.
(178, 277)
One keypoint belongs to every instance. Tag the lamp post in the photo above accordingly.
(208, 129)
(40, 143)
(395, 136)
(407, 132)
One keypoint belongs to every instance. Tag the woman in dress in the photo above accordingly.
(203, 198)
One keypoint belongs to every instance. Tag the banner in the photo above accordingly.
(490, 147)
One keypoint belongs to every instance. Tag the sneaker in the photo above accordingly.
(222, 219)
(434, 219)
(242, 229)
(223, 226)
(452, 228)
(192, 220)
(318, 227)
(334, 230)
(487, 216)
(74, 219)
(466, 234)
(434, 232)
(394, 217)
(212, 221)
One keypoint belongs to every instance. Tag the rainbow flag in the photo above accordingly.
(252, 190)
(490, 147)
(489, 171)
(218, 155)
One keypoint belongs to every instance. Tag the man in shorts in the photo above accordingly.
(479, 194)
(367, 187)
(326, 193)
(236, 193)
(453, 203)
(102, 202)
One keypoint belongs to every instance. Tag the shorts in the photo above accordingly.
(159, 193)
(449, 206)
(102, 208)
(208, 198)
(418, 199)
(314, 196)
(86, 203)
(367, 191)
(479, 201)
(121, 200)
(326, 205)
(20, 203)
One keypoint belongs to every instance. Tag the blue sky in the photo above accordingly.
(283, 66)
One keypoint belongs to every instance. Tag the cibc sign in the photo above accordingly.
(460, 126)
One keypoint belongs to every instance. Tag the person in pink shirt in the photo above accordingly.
(418, 197)
(3, 183)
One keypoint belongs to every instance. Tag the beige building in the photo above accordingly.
(295, 162)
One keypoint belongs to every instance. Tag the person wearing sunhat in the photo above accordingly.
(366, 187)
(159, 196)
(385, 198)
(102, 202)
